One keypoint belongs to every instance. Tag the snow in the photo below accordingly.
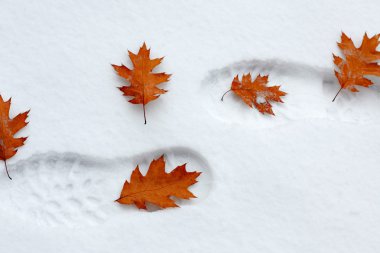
(306, 180)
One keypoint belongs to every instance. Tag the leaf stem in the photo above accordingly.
(6, 169)
(225, 94)
(337, 94)
(144, 114)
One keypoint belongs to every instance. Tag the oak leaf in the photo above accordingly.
(8, 128)
(252, 92)
(157, 186)
(357, 62)
(143, 82)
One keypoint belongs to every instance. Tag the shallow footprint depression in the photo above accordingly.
(71, 189)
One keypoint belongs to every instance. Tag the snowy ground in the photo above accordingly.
(307, 180)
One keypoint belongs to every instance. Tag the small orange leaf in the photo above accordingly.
(251, 92)
(8, 128)
(143, 82)
(358, 62)
(157, 186)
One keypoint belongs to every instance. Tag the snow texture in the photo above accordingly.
(306, 180)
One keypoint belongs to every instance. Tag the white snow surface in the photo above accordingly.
(306, 180)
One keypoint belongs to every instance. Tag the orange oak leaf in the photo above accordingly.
(8, 128)
(157, 186)
(256, 93)
(143, 82)
(358, 62)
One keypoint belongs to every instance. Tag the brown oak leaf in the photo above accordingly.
(157, 186)
(143, 82)
(357, 62)
(8, 128)
(252, 92)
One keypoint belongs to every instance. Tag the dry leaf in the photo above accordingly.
(8, 128)
(157, 186)
(358, 62)
(143, 82)
(252, 92)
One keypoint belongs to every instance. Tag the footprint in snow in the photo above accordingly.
(310, 92)
(73, 190)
